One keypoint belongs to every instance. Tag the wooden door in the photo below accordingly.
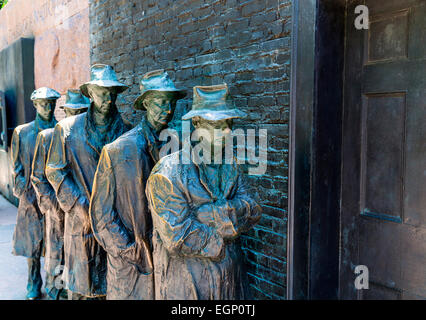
(383, 204)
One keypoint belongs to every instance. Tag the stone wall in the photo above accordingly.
(61, 32)
(243, 43)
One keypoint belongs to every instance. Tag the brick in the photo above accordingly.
(252, 7)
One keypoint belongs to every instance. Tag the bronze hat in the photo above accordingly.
(45, 93)
(103, 75)
(75, 100)
(157, 80)
(213, 103)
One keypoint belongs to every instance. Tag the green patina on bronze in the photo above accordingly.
(198, 212)
(29, 230)
(71, 164)
(53, 214)
(119, 211)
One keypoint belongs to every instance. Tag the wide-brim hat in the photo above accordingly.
(213, 103)
(75, 100)
(157, 80)
(45, 93)
(103, 75)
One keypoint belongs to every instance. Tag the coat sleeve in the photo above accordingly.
(106, 225)
(178, 228)
(18, 172)
(231, 217)
(45, 194)
(59, 175)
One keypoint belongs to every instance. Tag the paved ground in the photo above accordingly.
(13, 269)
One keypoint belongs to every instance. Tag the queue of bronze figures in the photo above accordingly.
(113, 219)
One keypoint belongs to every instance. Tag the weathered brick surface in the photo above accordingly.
(243, 43)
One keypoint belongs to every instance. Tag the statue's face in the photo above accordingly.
(160, 107)
(73, 112)
(224, 126)
(103, 98)
(45, 108)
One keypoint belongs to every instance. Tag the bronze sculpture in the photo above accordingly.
(119, 211)
(28, 234)
(75, 104)
(73, 157)
(199, 211)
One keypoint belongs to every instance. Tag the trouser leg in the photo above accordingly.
(34, 278)
(52, 288)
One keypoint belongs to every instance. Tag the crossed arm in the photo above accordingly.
(198, 232)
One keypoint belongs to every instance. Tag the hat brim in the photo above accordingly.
(75, 106)
(119, 87)
(43, 98)
(215, 115)
(138, 105)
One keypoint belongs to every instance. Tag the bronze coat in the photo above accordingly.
(192, 259)
(119, 213)
(29, 229)
(49, 206)
(70, 169)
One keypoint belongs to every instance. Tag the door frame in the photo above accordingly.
(316, 104)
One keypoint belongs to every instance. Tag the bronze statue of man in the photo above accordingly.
(119, 212)
(29, 229)
(77, 143)
(75, 103)
(199, 212)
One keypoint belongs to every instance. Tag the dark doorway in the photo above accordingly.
(315, 149)
(16, 83)
(358, 154)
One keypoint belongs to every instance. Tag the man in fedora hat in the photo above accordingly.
(199, 212)
(75, 103)
(71, 164)
(29, 229)
(119, 212)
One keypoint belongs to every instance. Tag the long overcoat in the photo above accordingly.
(71, 164)
(119, 212)
(196, 228)
(29, 230)
(49, 206)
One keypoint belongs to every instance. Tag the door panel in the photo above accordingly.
(383, 212)
(382, 147)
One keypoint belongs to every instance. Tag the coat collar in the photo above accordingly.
(41, 125)
(153, 142)
(97, 136)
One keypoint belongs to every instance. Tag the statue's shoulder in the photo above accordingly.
(169, 166)
(46, 133)
(126, 143)
(69, 123)
(25, 128)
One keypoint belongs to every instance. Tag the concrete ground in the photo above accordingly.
(13, 269)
